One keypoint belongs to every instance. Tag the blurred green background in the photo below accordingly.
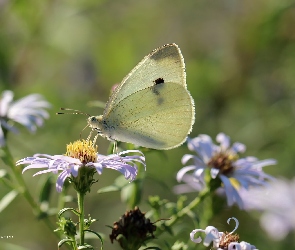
(240, 64)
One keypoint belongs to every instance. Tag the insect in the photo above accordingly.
(151, 107)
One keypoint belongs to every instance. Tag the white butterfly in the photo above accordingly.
(151, 107)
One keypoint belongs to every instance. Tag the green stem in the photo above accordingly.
(189, 207)
(74, 244)
(81, 216)
(22, 187)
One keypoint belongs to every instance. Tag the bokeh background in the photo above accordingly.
(240, 64)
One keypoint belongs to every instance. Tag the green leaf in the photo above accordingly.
(7, 199)
(168, 230)
(155, 248)
(45, 191)
(64, 241)
(111, 188)
(132, 193)
(119, 183)
(67, 209)
(3, 173)
(98, 235)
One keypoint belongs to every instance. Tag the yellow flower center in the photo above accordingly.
(83, 150)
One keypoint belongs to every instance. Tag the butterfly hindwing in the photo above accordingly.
(157, 117)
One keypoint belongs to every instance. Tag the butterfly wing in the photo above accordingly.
(159, 116)
(164, 63)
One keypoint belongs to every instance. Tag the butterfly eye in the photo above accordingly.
(93, 119)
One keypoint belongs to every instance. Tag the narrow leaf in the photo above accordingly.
(3, 173)
(67, 209)
(45, 190)
(111, 188)
(7, 199)
(64, 241)
(155, 248)
(100, 238)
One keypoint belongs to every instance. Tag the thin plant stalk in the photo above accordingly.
(22, 187)
(189, 207)
(81, 216)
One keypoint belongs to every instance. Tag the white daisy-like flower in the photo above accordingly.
(82, 154)
(224, 164)
(212, 236)
(220, 240)
(28, 111)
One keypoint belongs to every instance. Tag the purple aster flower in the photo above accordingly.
(220, 240)
(29, 111)
(222, 161)
(277, 203)
(82, 156)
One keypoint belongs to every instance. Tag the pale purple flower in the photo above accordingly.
(223, 162)
(69, 166)
(277, 202)
(190, 184)
(28, 111)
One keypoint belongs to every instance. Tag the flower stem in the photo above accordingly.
(22, 187)
(81, 216)
(189, 207)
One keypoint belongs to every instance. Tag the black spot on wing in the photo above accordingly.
(157, 84)
(158, 81)
(156, 89)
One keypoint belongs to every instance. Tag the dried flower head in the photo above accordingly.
(228, 238)
(132, 230)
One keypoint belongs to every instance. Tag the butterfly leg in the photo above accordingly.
(94, 139)
(115, 148)
(89, 136)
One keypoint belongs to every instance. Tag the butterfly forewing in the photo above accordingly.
(163, 64)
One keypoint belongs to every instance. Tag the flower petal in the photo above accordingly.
(7, 97)
(203, 146)
(183, 171)
(224, 141)
(60, 180)
(232, 194)
(234, 246)
(192, 235)
(238, 147)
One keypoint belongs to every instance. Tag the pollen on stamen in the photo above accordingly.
(223, 162)
(83, 150)
(227, 238)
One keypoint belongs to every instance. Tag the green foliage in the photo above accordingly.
(240, 61)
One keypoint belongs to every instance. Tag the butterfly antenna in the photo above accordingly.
(74, 112)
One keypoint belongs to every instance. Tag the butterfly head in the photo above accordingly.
(95, 122)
